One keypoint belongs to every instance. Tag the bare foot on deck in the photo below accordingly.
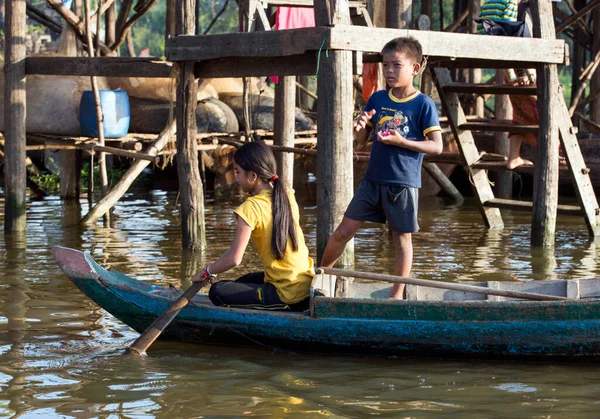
(519, 161)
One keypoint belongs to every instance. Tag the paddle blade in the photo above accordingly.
(143, 342)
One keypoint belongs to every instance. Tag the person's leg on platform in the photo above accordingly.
(404, 257)
(514, 153)
(337, 242)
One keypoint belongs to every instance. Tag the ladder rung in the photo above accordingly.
(501, 165)
(496, 89)
(499, 127)
(528, 206)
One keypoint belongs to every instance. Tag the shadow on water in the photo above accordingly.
(62, 356)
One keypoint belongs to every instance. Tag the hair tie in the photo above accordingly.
(274, 178)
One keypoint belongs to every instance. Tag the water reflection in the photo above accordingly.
(62, 356)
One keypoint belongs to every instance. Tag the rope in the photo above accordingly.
(316, 76)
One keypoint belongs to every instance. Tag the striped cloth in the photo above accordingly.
(498, 10)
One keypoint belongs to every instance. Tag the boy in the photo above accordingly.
(405, 125)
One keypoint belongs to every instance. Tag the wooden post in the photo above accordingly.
(111, 24)
(502, 110)
(190, 183)
(595, 109)
(96, 92)
(398, 14)
(475, 73)
(335, 136)
(427, 8)
(285, 124)
(170, 23)
(14, 117)
(545, 184)
(69, 170)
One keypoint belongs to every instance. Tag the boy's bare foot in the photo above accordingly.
(519, 161)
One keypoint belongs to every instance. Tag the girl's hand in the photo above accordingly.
(203, 274)
(391, 138)
(361, 122)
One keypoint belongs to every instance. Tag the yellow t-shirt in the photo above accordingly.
(291, 275)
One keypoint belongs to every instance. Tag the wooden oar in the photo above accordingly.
(153, 331)
(445, 285)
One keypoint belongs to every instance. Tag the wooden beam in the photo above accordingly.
(99, 66)
(15, 101)
(545, 184)
(528, 206)
(496, 89)
(303, 64)
(436, 45)
(306, 3)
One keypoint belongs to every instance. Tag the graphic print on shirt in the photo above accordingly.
(397, 122)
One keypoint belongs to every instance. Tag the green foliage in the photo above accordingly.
(49, 182)
(149, 31)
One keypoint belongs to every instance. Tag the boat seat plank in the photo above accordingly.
(589, 288)
(420, 293)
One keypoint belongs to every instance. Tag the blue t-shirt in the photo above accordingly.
(413, 117)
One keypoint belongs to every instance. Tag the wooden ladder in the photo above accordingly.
(462, 129)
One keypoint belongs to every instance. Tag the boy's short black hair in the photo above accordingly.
(407, 45)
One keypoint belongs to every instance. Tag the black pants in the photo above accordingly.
(251, 291)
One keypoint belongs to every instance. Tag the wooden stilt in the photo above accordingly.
(99, 116)
(595, 108)
(475, 73)
(69, 176)
(285, 121)
(170, 23)
(502, 111)
(334, 125)
(398, 14)
(190, 182)
(111, 24)
(14, 117)
(545, 185)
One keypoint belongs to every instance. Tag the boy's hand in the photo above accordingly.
(391, 138)
(523, 81)
(361, 122)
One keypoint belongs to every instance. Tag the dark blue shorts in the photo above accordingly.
(398, 205)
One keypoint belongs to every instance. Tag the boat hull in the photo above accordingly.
(506, 329)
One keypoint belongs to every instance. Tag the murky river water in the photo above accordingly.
(62, 356)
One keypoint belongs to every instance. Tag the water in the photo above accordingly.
(61, 356)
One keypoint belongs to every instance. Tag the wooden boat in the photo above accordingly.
(431, 321)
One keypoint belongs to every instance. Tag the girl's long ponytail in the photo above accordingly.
(283, 220)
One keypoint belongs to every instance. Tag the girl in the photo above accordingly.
(270, 217)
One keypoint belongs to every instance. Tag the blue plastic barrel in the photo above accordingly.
(115, 109)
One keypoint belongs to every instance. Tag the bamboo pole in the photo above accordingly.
(98, 107)
(106, 203)
(15, 217)
(443, 285)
